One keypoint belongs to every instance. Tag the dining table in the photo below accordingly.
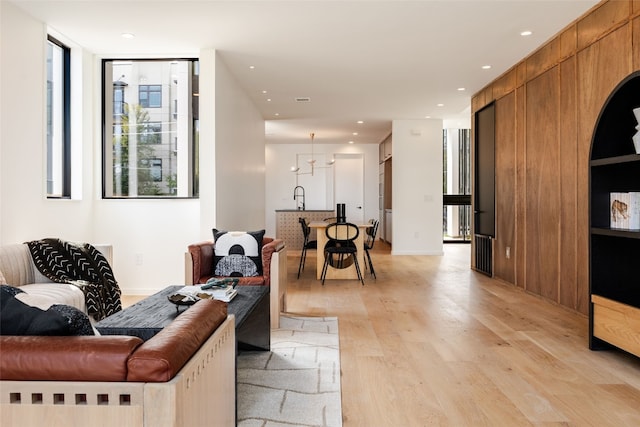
(348, 270)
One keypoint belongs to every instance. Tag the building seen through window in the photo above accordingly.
(151, 130)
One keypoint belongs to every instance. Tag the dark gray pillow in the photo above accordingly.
(18, 318)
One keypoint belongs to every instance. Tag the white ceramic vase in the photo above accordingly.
(636, 137)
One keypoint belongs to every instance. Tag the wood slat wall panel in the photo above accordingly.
(505, 84)
(521, 73)
(551, 201)
(543, 184)
(521, 188)
(568, 42)
(600, 21)
(503, 267)
(568, 184)
(544, 58)
(476, 102)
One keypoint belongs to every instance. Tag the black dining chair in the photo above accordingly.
(340, 247)
(371, 240)
(308, 244)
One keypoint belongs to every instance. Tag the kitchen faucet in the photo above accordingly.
(296, 196)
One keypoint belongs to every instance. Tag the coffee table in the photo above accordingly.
(149, 316)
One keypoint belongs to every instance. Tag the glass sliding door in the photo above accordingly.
(456, 218)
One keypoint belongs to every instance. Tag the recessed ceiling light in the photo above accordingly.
(252, 67)
(427, 117)
(461, 89)
(526, 33)
(268, 99)
(440, 105)
(264, 91)
(127, 35)
(486, 67)
(276, 114)
(355, 134)
(350, 142)
(360, 122)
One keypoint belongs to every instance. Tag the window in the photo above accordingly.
(155, 168)
(150, 96)
(58, 120)
(148, 149)
(151, 133)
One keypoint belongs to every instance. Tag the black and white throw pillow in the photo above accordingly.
(237, 253)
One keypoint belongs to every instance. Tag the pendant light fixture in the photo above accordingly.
(311, 162)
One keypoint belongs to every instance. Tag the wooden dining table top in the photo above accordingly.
(324, 224)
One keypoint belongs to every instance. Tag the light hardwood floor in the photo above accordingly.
(432, 343)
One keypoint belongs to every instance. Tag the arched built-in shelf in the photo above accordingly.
(614, 253)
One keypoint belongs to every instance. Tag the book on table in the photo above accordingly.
(225, 294)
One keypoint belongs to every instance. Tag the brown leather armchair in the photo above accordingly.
(199, 268)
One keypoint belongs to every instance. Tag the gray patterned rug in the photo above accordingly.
(297, 383)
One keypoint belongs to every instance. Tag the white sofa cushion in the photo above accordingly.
(41, 294)
(16, 264)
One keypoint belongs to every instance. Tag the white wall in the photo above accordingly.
(25, 213)
(239, 157)
(417, 187)
(149, 236)
(281, 181)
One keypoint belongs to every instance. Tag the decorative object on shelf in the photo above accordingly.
(636, 137)
(311, 162)
(625, 210)
(619, 210)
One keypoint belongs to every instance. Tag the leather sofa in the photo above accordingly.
(199, 260)
(183, 376)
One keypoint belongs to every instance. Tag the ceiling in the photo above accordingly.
(374, 61)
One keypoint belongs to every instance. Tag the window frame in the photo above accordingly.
(65, 130)
(193, 123)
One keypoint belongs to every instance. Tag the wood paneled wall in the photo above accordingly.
(546, 109)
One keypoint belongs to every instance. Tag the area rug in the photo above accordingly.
(297, 383)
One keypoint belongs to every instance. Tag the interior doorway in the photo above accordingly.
(456, 222)
(348, 185)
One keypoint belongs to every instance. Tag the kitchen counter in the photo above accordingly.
(288, 226)
(303, 211)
